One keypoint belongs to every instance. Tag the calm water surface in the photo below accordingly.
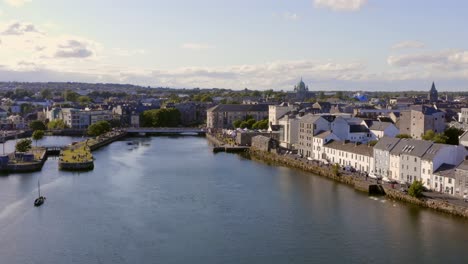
(171, 200)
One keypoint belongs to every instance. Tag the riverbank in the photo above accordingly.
(358, 182)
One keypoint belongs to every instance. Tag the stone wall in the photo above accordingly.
(360, 185)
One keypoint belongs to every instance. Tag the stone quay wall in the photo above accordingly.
(360, 185)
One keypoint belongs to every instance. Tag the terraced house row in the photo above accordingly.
(345, 140)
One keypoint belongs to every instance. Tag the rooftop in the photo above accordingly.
(361, 149)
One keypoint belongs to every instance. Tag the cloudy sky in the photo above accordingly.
(259, 44)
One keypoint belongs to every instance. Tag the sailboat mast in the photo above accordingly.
(39, 188)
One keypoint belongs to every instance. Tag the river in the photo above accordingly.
(171, 200)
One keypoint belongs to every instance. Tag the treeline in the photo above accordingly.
(167, 117)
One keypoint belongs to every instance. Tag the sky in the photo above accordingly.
(374, 45)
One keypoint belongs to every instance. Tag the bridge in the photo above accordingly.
(167, 131)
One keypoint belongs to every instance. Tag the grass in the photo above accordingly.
(79, 152)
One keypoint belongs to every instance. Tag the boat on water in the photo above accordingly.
(41, 199)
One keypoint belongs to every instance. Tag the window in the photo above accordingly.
(424, 170)
(449, 180)
(414, 168)
(415, 160)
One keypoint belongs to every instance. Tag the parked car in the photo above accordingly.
(387, 180)
(373, 176)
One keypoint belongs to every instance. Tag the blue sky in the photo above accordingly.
(258, 44)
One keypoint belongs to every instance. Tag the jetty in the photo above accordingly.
(17, 162)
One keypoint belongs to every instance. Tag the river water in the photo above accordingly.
(171, 200)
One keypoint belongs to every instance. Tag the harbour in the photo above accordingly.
(144, 204)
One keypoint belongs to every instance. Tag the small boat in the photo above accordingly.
(129, 143)
(41, 199)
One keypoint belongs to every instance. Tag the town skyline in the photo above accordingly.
(356, 45)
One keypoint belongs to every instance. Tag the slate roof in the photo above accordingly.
(432, 151)
(463, 166)
(386, 143)
(239, 108)
(362, 149)
(446, 170)
(358, 129)
(427, 110)
(323, 135)
(310, 119)
(411, 147)
(380, 126)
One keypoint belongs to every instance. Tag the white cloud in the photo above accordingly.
(409, 44)
(340, 5)
(16, 3)
(196, 46)
(440, 59)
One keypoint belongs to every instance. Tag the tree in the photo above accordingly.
(168, 117)
(26, 108)
(403, 136)
(37, 125)
(336, 169)
(373, 143)
(436, 138)
(428, 135)
(70, 95)
(23, 145)
(262, 124)
(453, 134)
(99, 128)
(38, 135)
(416, 189)
(236, 123)
(57, 124)
(206, 98)
(46, 94)
(84, 100)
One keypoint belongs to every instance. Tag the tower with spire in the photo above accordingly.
(433, 94)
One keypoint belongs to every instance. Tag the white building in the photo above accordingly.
(289, 131)
(351, 155)
(438, 158)
(382, 156)
(379, 130)
(275, 112)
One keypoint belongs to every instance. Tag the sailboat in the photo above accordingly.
(39, 200)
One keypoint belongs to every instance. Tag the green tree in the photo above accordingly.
(99, 128)
(453, 134)
(403, 136)
(70, 95)
(236, 123)
(168, 117)
(38, 135)
(57, 124)
(336, 169)
(46, 94)
(432, 136)
(428, 135)
(262, 124)
(37, 125)
(23, 145)
(84, 100)
(416, 189)
(26, 108)
(206, 98)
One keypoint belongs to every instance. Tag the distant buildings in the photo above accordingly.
(223, 115)
(419, 119)
(77, 118)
